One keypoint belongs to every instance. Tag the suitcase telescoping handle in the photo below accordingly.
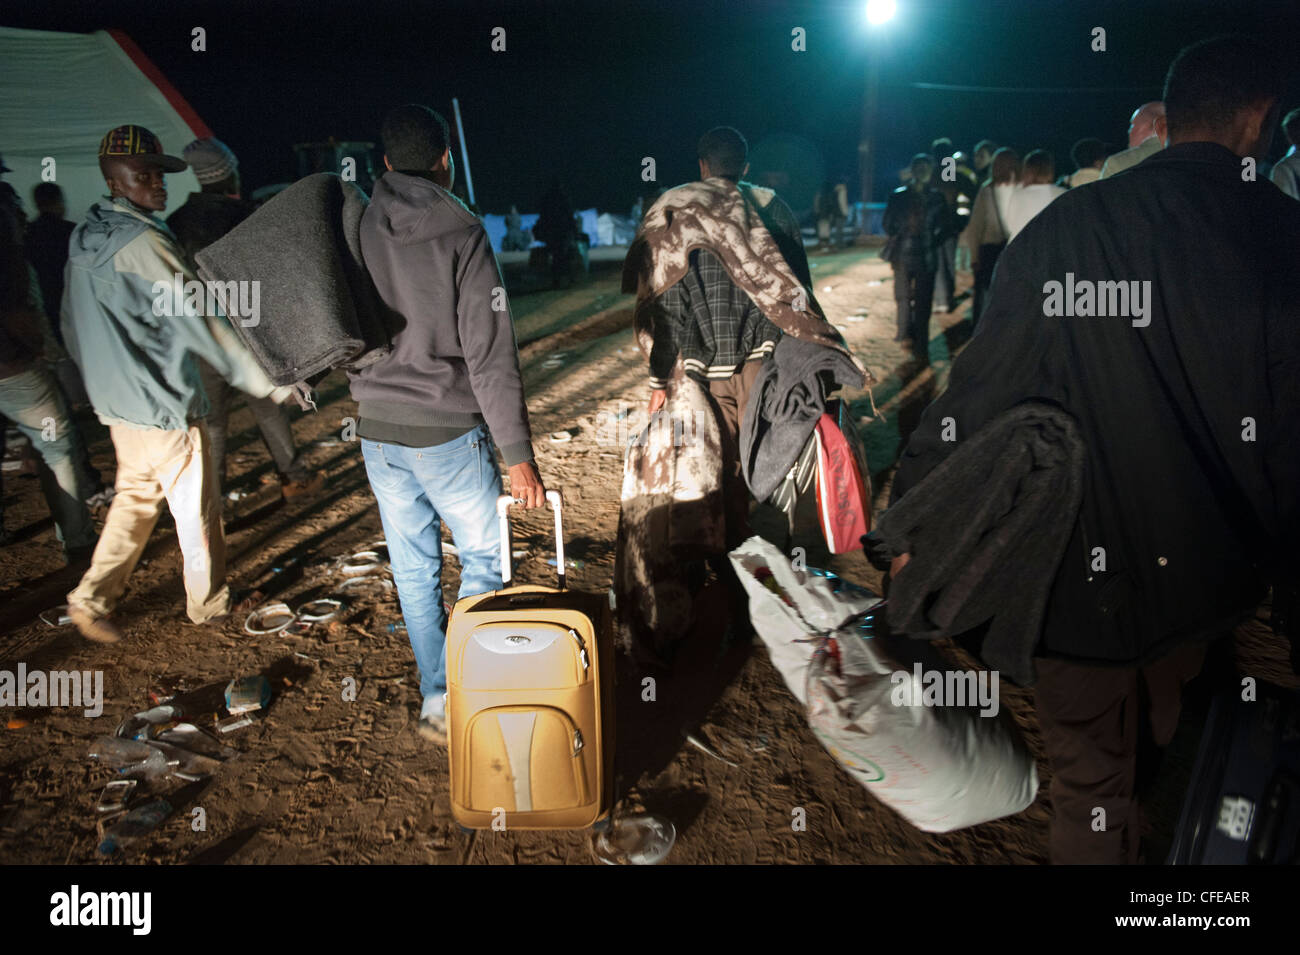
(557, 505)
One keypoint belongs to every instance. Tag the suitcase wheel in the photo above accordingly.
(601, 824)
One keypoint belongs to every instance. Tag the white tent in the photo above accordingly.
(63, 91)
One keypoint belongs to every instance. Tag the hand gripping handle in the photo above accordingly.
(557, 505)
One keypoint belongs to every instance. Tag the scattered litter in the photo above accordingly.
(150, 723)
(327, 443)
(826, 288)
(306, 657)
(16, 724)
(569, 562)
(116, 795)
(690, 738)
(56, 616)
(131, 757)
(190, 737)
(238, 495)
(518, 554)
(298, 628)
(876, 282)
(399, 627)
(270, 618)
(857, 318)
(364, 584)
(361, 563)
(245, 694)
(166, 690)
(561, 437)
(636, 840)
(236, 722)
(449, 548)
(134, 825)
(318, 611)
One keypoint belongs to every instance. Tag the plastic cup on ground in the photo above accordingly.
(643, 839)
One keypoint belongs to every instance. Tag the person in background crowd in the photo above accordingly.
(555, 227)
(30, 397)
(831, 210)
(46, 244)
(1286, 174)
(205, 217)
(982, 157)
(1194, 520)
(917, 221)
(1033, 193)
(1089, 156)
(958, 186)
(431, 411)
(986, 234)
(516, 239)
(141, 374)
(1147, 130)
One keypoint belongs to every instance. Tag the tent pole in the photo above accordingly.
(464, 150)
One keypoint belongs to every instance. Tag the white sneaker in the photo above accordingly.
(433, 719)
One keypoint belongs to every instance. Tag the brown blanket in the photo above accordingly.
(671, 516)
(715, 215)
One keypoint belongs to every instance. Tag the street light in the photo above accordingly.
(878, 11)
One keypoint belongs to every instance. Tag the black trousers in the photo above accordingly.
(914, 296)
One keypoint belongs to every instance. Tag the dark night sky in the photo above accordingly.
(586, 90)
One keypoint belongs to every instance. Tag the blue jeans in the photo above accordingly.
(32, 401)
(417, 489)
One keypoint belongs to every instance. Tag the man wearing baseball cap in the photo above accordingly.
(207, 216)
(138, 362)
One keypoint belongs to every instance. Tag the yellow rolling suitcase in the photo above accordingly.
(530, 701)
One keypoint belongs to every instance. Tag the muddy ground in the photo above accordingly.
(320, 779)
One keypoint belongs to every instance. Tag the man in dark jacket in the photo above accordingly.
(205, 217)
(917, 223)
(432, 409)
(1185, 383)
(46, 246)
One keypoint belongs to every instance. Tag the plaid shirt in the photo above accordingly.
(713, 324)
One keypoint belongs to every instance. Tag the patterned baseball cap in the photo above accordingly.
(136, 142)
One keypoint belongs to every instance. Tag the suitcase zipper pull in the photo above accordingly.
(577, 742)
(582, 650)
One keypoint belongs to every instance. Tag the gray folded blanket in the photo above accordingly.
(986, 530)
(319, 308)
(787, 398)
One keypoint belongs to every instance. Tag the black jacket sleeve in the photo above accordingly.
(1010, 359)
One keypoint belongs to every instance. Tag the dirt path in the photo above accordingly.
(324, 779)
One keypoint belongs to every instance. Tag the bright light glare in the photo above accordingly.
(878, 11)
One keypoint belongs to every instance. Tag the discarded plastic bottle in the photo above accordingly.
(150, 723)
(399, 627)
(131, 757)
(135, 825)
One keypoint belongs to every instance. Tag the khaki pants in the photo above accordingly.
(153, 466)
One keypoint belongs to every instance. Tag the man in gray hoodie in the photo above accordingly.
(431, 410)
